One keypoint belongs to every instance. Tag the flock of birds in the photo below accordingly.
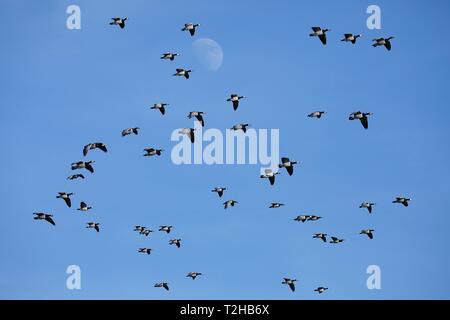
(190, 132)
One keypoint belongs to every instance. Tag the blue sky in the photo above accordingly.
(61, 89)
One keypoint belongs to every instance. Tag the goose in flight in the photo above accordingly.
(118, 21)
(145, 232)
(169, 56)
(368, 232)
(288, 164)
(92, 146)
(229, 203)
(367, 205)
(383, 42)
(316, 114)
(290, 283)
(138, 228)
(44, 216)
(336, 240)
(66, 197)
(275, 205)
(198, 115)
(269, 174)
(240, 126)
(190, 132)
(152, 152)
(84, 206)
(193, 275)
(160, 106)
(93, 225)
(302, 218)
(75, 176)
(219, 190)
(314, 218)
(165, 228)
(404, 201)
(129, 131)
(83, 165)
(180, 72)
(320, 289)
(234, 98)
(348, 37)
(176, 242)
(321, 33)
(322, 236)
(190, 27)
(164, 285)
(361, 116)
(145, 250)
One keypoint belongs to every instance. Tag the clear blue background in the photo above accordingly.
(61, 89)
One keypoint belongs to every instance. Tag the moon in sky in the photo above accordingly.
(209, 53)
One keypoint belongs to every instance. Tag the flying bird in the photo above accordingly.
(160, 106)
(84, 206)
(383, 42)
(180, 72)
(164, 285)
(138, 228)
(165, 228)
(145, 232)
(152, 152)
(320, 289)
(301, 218)
(193, 275)
(367, 205)
(129, 131)
(145, 250)
(118, 21)
(275, 205)
(93, 225)
(219, 190)
(198, 115)
(368, 232)
(269, 174)
(191, 27)
(66, 197)
(234, 98)
(176, 242)
(92, 146)
(361, 116)
(169, 56)
(240, 126)
(321, 33)
(83, 165)
(316, 114)
(404, 201)
(190, 132)
(336, 240)
(229, 203)
(322, 236)
(44, 216)
(288, 164)
(75, 176)
(290, 282)
(348, 37)
(314, 218)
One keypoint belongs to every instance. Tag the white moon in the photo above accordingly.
(209, 53)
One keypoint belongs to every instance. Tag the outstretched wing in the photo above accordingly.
(68, 201)
(290, 170)
(323, 38)
(49, 219)
(292, 286)
(364, 122)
